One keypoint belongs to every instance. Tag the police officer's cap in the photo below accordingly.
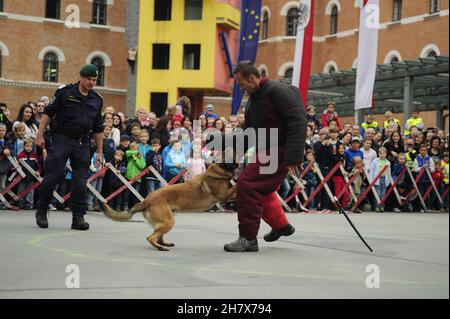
(89, 70)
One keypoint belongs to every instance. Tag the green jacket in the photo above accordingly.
(134, 166)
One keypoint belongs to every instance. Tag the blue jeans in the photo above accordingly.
(152, 185)
(28, 199)
(97, 184)
(381, 187)
(284, 188)
(309, 189)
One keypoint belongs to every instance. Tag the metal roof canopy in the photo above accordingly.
(425, 82)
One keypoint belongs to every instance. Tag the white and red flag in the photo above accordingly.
(303, 48)
(369, 23)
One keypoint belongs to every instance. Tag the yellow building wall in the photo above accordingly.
(176, 32)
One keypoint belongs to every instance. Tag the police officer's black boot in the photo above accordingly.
(41, 218)
(79, 223)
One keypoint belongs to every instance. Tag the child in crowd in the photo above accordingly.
(311, 116)
(135, 165)
(5, 165)
(154, 158)
(438, 178)
(195, 164)
(404, 184)
(16, 143)
(410, 153)
(311, 178)
(384, 181)
(175, 161)
(445, 170)
(186, 144)
(97, 183)
(135, 129)
(112, 182)
(334, 141)
(124, 143)
(338, 179)
(144, 148)
(324, 154)
(354, 150)
(31, 158)
(109, 146)
(360, 182)
(424, 160)
(369, 153)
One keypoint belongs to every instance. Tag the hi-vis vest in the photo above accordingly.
(409, 160)
(373, 125)
(412, 122)
(446, 172)
(386, 123)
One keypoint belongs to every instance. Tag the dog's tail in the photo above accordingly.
(122, 216)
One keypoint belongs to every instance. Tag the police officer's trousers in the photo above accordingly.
(62, 148)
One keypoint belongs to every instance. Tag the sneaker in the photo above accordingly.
(242, 245)
(397, 210)
(51, 207)
(275, 234)
(90, 208)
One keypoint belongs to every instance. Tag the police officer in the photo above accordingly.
(76, 109)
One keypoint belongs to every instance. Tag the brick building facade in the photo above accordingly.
(417, 29)
(42, 48)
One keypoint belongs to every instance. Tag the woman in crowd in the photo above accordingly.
(162, 131)
(394, 147)
(108, 119)
(26, 116)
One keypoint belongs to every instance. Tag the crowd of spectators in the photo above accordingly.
(171, 146)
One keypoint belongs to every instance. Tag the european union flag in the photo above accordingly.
(250, 22)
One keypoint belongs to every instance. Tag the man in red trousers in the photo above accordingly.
(272, 105)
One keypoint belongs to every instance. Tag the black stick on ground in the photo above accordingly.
(342, 211)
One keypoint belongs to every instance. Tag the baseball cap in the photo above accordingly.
(124, 137)
(356, 139)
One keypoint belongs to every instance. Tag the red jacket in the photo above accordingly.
(31, 159)
(324, 119)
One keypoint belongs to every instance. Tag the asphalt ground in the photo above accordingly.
(323, 259)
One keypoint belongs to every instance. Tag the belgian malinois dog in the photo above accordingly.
(200, 194)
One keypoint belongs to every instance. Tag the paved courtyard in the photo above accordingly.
(323, 259)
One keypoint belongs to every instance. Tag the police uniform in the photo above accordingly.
(77, 117)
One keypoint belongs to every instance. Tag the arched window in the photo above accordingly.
(292, 22)
(265, 26)
(397, 10)
(288, 74)
(100, 64)
(1, 5)
(331, 69)
(99, 12)
(50, 73)
(431, 54)
(394, 60)
(334, 20)
(263, 74)
(434, 6)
